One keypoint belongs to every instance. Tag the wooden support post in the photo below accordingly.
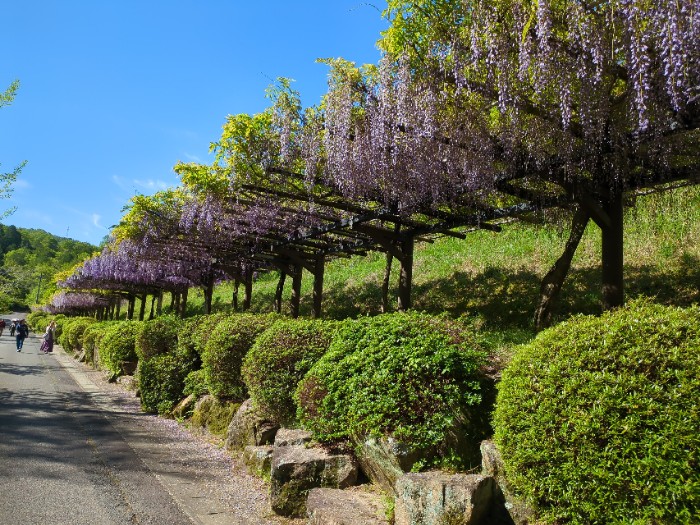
(142, 310)
(118, 309)
(296, 290)
(131, 307)
(153, 305)
(159, 305)
(279, 290)
(319, 268)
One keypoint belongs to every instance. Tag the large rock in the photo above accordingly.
(287, 437)
(184, 407)
(258, 460)
(436, 498)
(507, 507)
(345, 507)
(247, 427)
(385, 460)
(297, 469)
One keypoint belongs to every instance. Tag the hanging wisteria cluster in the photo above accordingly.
(584, 89)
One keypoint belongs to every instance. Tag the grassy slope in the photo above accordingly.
(495, 276)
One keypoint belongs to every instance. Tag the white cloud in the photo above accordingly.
(151, 185)
(96, 221)
(193, 158)
(119, 181)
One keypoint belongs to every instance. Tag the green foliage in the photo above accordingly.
(161, 382)
(225, 350)
(31, 261)
(157, 336)
(598, 418)
(38, 320)
(196, 384)
(118, 346)
(410, 376)
(92, 338)
(279, 359)
(73, 330)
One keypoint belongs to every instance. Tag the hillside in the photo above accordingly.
(496, 276)
(30, 260)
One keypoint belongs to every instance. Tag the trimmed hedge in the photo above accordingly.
(598, 418)
(161, 382)
(157, 336)
(73, 330)
(225, 350)
(92, 337)
(118, 346)
(409, 376)
(279, 359)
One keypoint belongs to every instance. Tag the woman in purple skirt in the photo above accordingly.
(47, 344)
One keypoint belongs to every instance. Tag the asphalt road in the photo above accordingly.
(61, 460)
(76, 450)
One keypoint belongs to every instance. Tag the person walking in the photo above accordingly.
(2, 326)
(21, 333)
(13, 327)
(47, 343)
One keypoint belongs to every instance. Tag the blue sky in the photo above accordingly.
(115, 92)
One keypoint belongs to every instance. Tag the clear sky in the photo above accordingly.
(115, 92)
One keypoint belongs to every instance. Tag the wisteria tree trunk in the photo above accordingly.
(553, 281)
(613, 252)
(385, 282)
(234, 295)
(279, 290)
(118, 311)
(159, 306)
(247, 299)
(183, 302)
(406, 275)
(208, 296)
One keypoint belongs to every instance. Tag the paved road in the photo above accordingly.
(70, 455)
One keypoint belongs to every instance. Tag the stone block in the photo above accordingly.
(436, 498)
(258, 460)
(345, 507)
(297, 469)
(287, 437)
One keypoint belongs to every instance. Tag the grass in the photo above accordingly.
(495, 277)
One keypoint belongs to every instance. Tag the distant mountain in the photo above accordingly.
(30, 259)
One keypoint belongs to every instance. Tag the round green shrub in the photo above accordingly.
(279, 359)
(196, 384)
(225, 350)
(118, 346)
(157, 336)
(598, 418)
(73, 332)
(161, 382)
(38, 321)
(92, 337)
(408, 376)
